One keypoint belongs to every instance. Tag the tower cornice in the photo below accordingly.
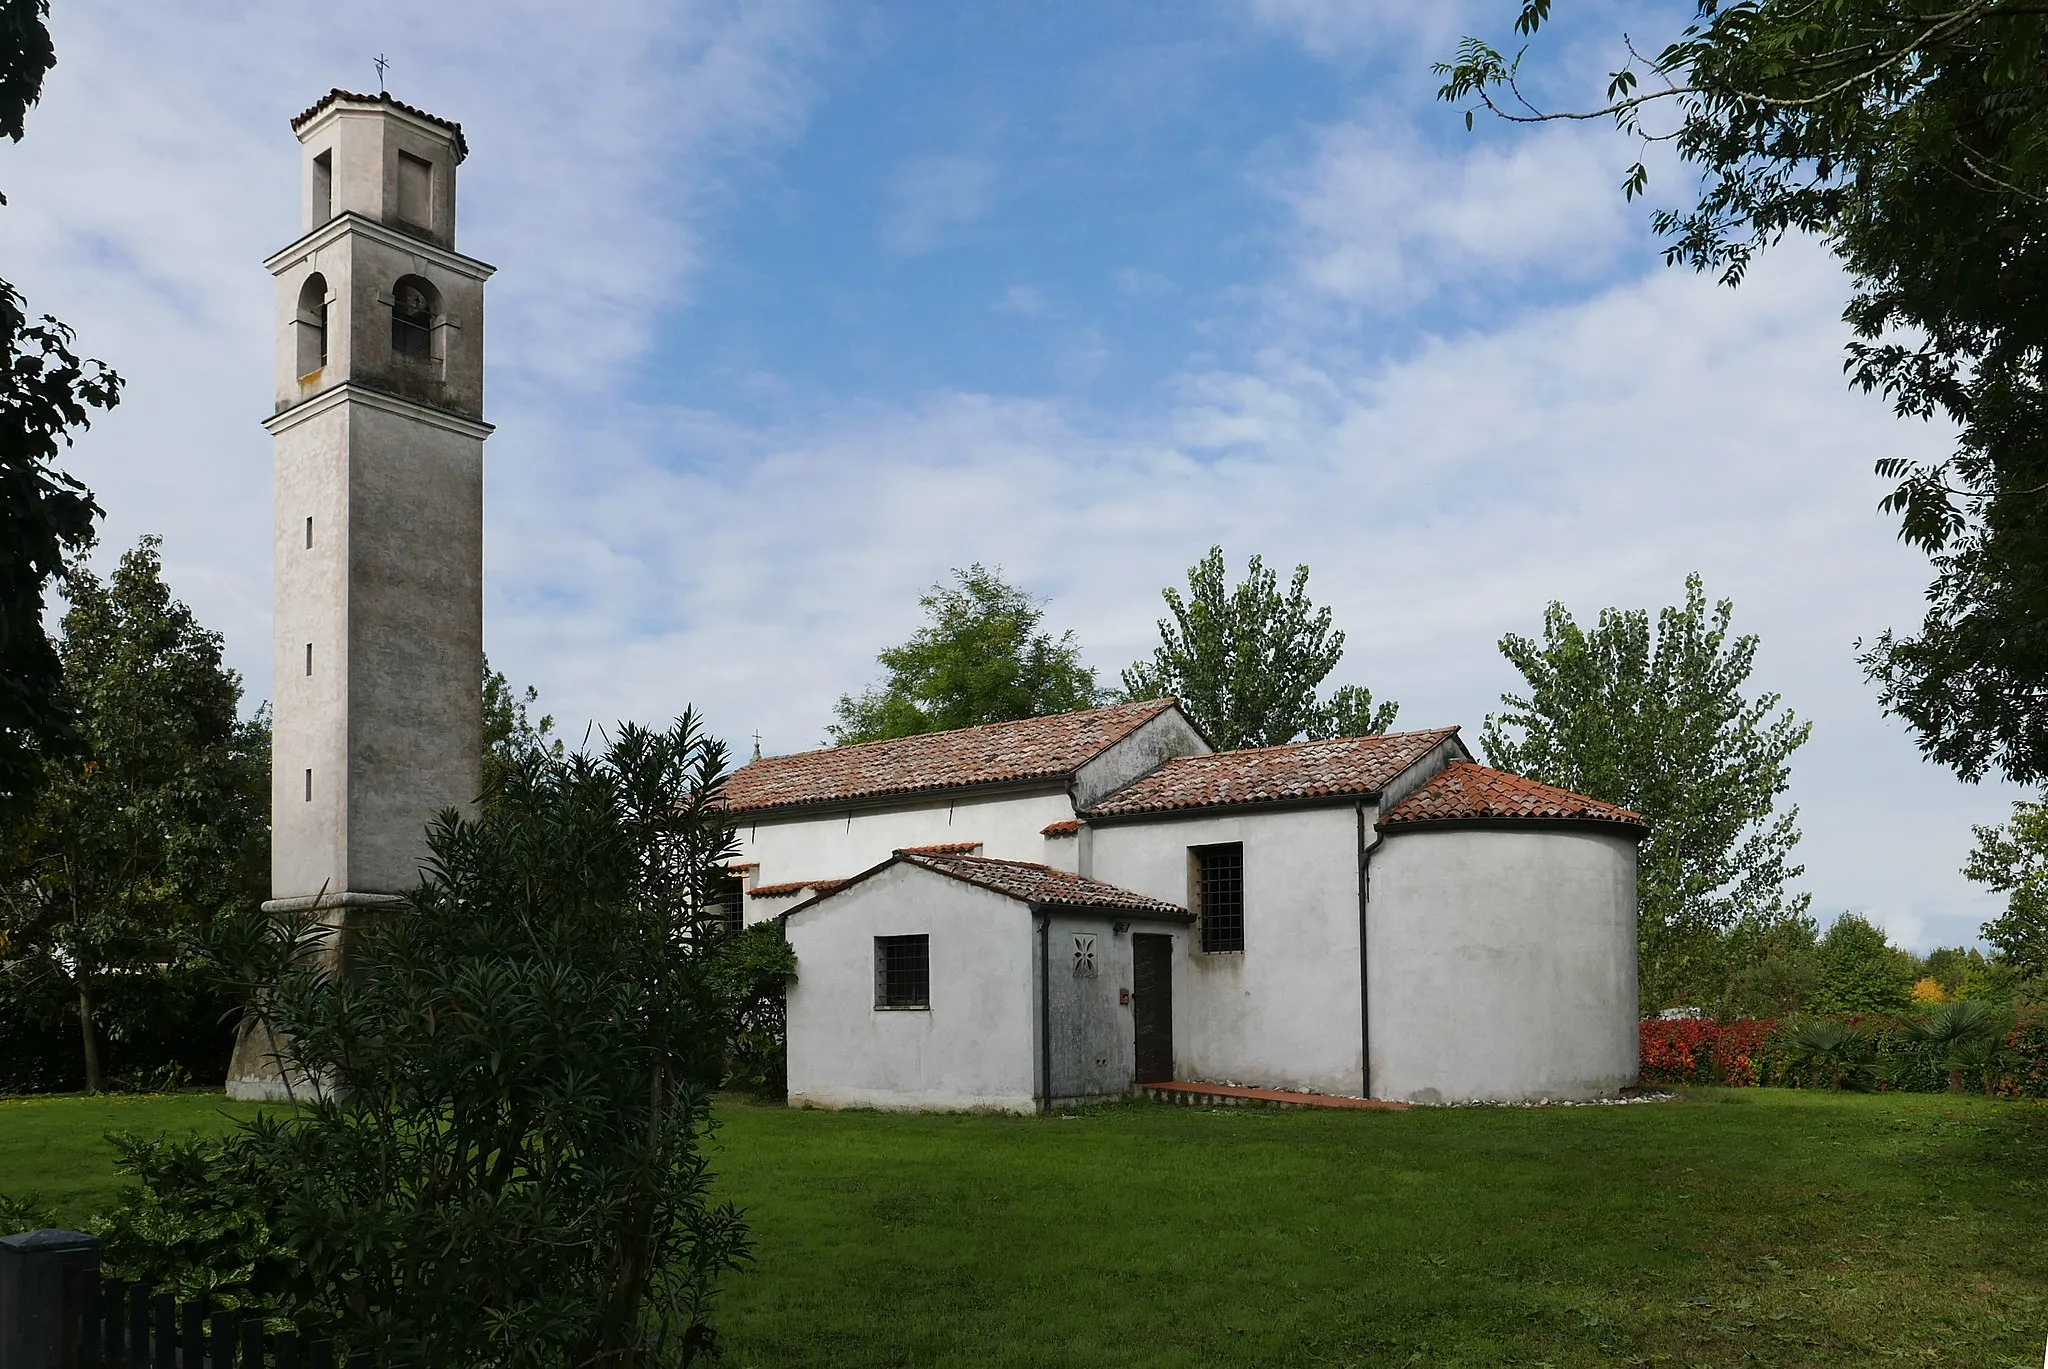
(350, 223)
(352, 392)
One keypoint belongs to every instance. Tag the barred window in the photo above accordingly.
(903, 972)
(1219, 895)
(729, 906)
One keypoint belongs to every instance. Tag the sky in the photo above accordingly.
(800, 306)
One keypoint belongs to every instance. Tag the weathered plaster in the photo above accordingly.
(1504, 963)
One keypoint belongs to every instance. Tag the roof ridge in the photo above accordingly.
(1452, 729)
(855, 748)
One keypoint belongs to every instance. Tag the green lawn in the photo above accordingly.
(1742, 1227)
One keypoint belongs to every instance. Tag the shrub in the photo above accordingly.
(497, 1157)
(2026, 1058)
(1891, 1053)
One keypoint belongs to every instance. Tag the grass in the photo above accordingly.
(1752, 1227)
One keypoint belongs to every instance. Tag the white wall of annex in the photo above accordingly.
(840, 843)
(1283, 1013)
(1503, 964)
(974, 1047)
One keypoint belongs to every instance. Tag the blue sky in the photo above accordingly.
(800, 305)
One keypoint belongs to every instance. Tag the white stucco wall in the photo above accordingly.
(1283, 1013)
(974, 1048)
(840, 843)
(1503, 963)
(1149, 746)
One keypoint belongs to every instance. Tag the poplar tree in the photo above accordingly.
(1658, 721)
(2013, 860)
(1245, 661)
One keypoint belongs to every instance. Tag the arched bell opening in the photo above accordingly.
(310, 324)
(415, 308)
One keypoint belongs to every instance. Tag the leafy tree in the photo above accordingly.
(503, 1159)
(1912, 137)
(1860, 971)
(1246, 661)
(1659, 723)
(2013, 859)
(981, 659)
(45, 514)
(749, 974)
(509, 730)
(159, 820)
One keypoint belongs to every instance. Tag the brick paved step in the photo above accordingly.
(1231, 1096)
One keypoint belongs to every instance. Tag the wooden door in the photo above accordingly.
(1152, 1006)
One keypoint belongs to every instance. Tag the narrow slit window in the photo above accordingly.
(309, 533)
(1219, 895)
(903, 972)
(309, 785)
(323, 187)
(309, 658)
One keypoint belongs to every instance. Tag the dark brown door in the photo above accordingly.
(1152, 1006)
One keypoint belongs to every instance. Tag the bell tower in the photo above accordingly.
(378, 438)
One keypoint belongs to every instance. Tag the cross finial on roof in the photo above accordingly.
(757, 746)
(382, 64)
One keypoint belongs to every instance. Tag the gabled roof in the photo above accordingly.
(1044, 886)
(380, 98)
(1041, 886)
(1050, 748)
(1464, 792)
(1342, 766)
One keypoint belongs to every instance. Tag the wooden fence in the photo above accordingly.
(57, 1312)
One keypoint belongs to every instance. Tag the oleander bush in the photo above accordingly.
(1895, 1053)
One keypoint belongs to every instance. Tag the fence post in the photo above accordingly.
(43, 1280)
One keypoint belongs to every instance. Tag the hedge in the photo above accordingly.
(1751, 1053)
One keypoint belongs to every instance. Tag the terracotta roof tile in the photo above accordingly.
(1464, 792)
(301, 120)
(944, 848)
(1048, 748)
(1068, 828)
(1274, 774)
(1043, 885)
(795, 886)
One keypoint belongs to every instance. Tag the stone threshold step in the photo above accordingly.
(1230, 1095)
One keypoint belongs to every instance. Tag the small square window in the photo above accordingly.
(1219, 895)
(903, 972)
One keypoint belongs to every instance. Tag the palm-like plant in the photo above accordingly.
(1958, 1032)
(1827, 1048)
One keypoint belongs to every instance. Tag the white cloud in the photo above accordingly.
(930, 197)
(1383, 223)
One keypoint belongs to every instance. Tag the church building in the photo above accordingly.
(1026, 914)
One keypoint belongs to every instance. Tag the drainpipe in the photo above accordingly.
(1364, 963)
(1045, 1011)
